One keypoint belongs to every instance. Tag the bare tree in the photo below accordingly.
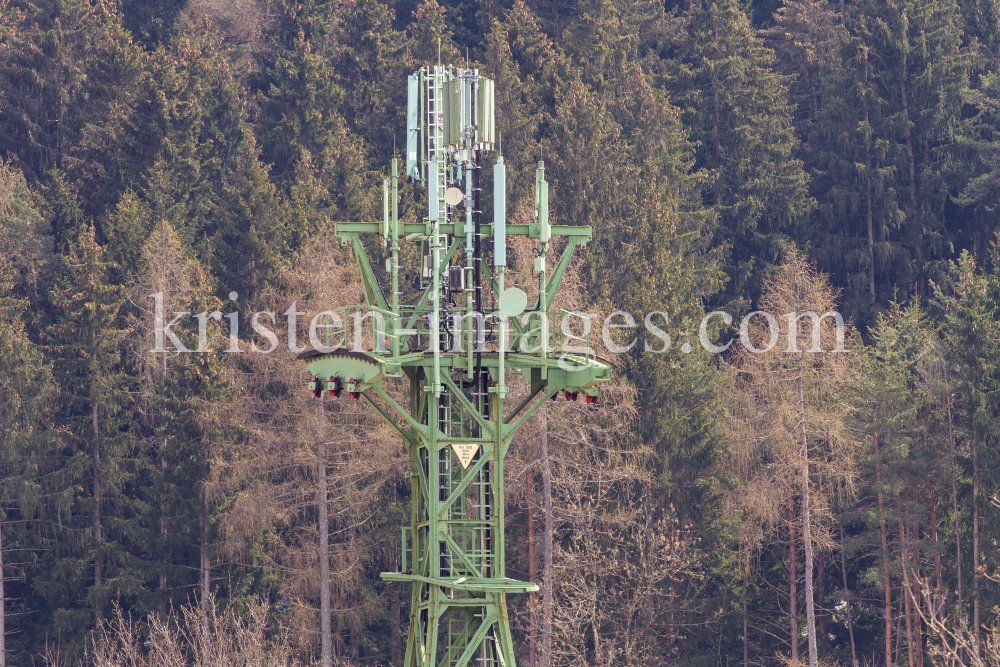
(229, 639)
(955, 644)
(315, 471)
(791, 445)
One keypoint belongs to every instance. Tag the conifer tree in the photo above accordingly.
(63, 66)
(889, 399)
(839, 124)
(83, 340)
(25, 237)
(738, 110)
(313, 157)
(921, 66)
(26, 391)
(791, 440)
(972, 336)
(368, 62)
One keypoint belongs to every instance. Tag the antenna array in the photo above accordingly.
(455, 345)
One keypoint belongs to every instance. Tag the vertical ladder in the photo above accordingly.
(436, 148)
(435, 132)
(444, 491)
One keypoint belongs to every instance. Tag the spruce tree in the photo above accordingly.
(919, 67)
(83, 340)
(738, 110)
(64, 64)
(970, 301)
(314, 159)
(26, 392)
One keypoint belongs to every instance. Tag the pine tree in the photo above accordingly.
(313, 157)
(26, 391)
(64, 63)
(83, 340)
(919, 67)
(738, 110)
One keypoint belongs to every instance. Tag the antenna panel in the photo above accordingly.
(485, 111)
(453, 112)
(413, 150)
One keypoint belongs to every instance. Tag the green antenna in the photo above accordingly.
(450, 355)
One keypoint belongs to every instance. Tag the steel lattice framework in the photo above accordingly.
(455, 347)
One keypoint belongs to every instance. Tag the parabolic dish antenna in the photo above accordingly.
(512, 302)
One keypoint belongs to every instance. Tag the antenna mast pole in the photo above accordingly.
(451, 344)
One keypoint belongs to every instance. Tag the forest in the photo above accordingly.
(763, 508)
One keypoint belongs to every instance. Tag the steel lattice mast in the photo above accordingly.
(455, 346)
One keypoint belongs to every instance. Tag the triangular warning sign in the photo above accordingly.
(465, 454)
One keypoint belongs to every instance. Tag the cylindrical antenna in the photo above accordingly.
(385, 208)
(432, 189)
(500, 213)
(542, 203)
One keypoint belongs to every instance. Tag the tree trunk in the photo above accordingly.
(899, 621)
(543, 434)
(868, 187)
(907, 593)
(3, 609)
(954, 494)
(911, 209)
(975, 546)
(98, 533)
(918, 625)
(206, 567)
(921, 636)
(165, 557)
(819, 593)
(532, 562)
(975, 542)
(871, 227)
(806, 528)
(937, 555)
(396, 617)
(847, 592)
(885, 549)
(326, 658)
(746, 648)
(716, 103)
(793, 590)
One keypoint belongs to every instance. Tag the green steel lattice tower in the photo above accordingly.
(455, 346)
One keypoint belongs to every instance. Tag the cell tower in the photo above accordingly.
(455, 345)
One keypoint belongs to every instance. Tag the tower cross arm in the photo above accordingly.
(578, 231)
(373, 292)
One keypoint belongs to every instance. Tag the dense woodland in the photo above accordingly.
(754, 509)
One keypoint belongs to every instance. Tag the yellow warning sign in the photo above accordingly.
(465, 453)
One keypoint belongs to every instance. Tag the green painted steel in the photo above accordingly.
(487, 115)
(453, 112)
(413, 126)
(450, 353)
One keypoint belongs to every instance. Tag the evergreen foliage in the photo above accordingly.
(156, 157)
